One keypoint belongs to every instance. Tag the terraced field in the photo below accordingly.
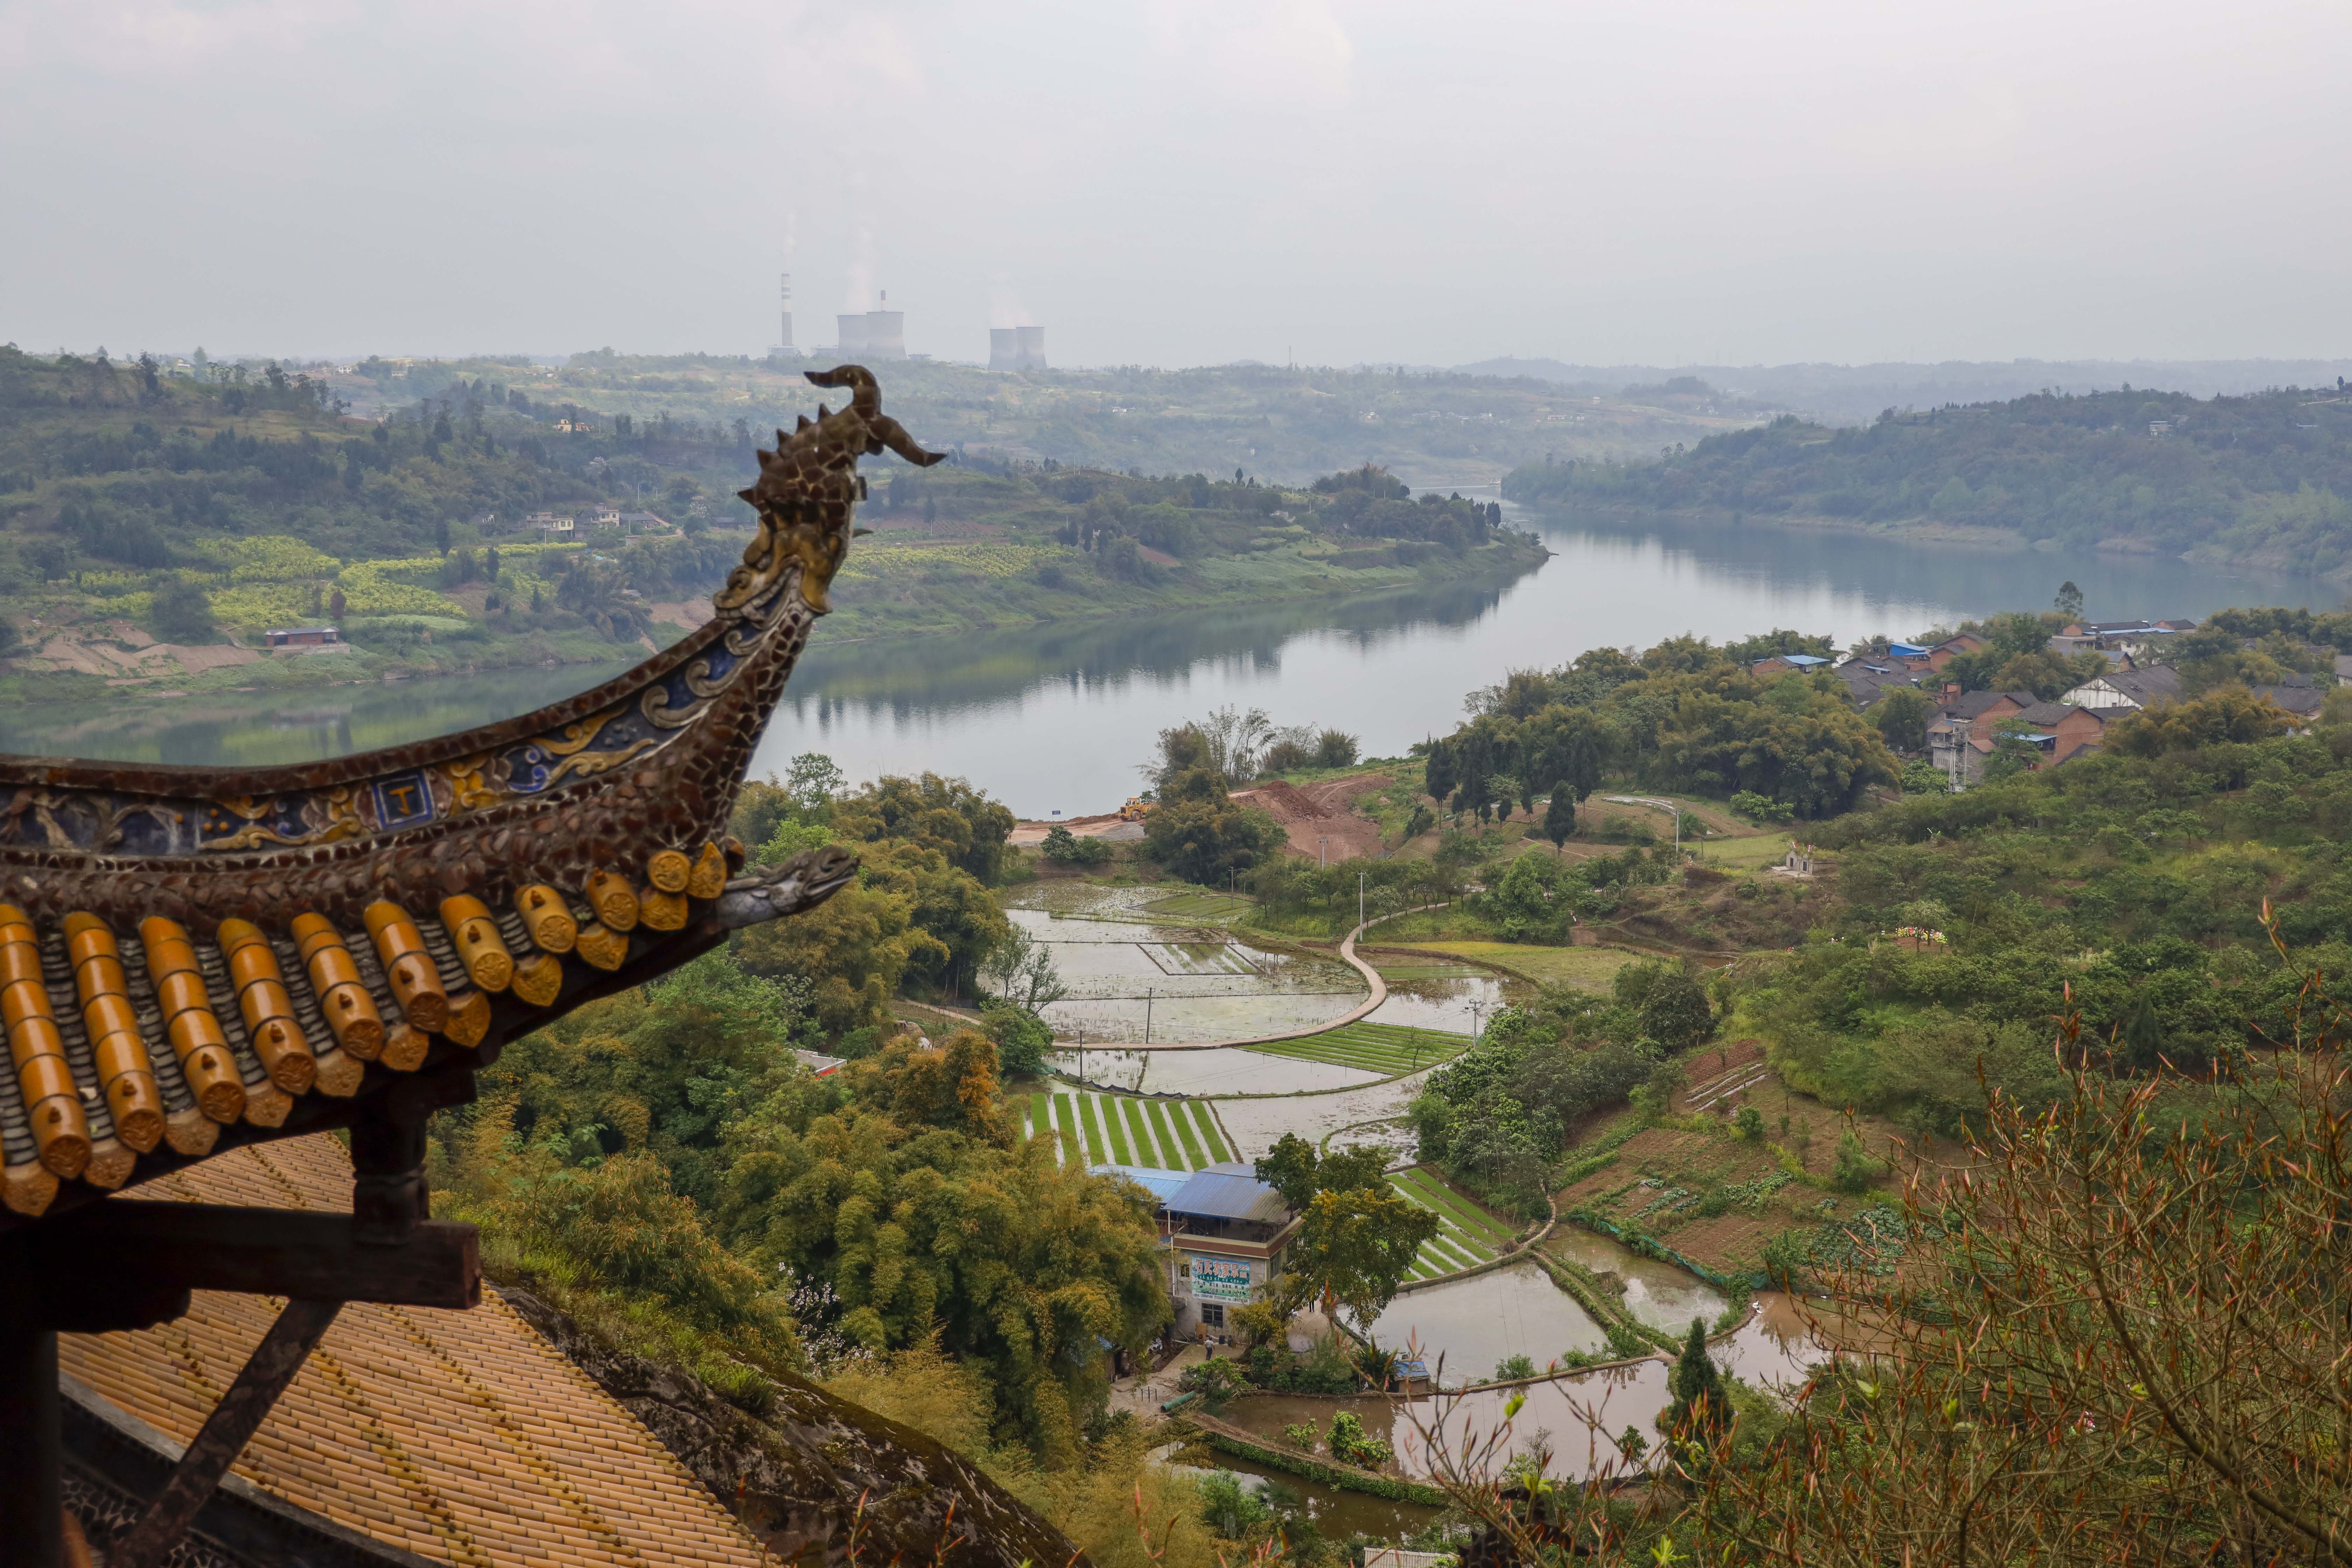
(1384, 1049)
(1469, 1235)
(1124, 1129)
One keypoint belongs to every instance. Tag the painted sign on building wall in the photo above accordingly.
(1221, 1279)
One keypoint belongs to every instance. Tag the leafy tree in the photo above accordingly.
(1022, 971)
(1749, 1122)
(1229, 1506)
(1063, 847)
(48, 558)
(2069, 601)
(1759, 808)
(853, 950)
(1354, 1249)
(182, 614)
(1921, 776)
(1019, 1266)
(1854, 1169)
(1196, 831)
(945, 814)
(1560, 816)
(1901, 716)
(1700, 1408)
(1675, 1013)
(1531, 900)
(1334, 749)
(1022, 1038)
(2230, 716)
(1289, 1169)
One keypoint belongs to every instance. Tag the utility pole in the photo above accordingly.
(1323, 846)
(1360, 900)
(1476, 1009)
(1082, 1053)
(1146, 1015)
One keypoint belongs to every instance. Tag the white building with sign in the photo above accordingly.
(1223, 1231)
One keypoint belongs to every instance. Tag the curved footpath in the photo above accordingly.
(1348, 955)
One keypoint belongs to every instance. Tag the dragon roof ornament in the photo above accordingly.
(194, 958)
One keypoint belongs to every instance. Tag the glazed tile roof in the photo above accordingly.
(461, 1436)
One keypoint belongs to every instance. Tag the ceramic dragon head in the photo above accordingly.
(808, 488)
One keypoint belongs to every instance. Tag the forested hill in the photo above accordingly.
(2257, 481)
(487, 525)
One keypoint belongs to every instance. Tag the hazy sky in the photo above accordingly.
(1184, 183)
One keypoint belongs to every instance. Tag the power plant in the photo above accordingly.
(872, 334)
(875, 335)
(1016, 348)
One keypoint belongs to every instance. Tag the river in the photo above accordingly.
(1057, 717)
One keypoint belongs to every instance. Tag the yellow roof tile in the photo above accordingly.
(462, 1436)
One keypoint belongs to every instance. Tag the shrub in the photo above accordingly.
(1022, 1038)
(1760, 808)
(1854, 1169)
(1748, 1123)
(1230, 1506)
(1063, 847)
(1217, 1380)
(1350, 1446)
(1513, 1367)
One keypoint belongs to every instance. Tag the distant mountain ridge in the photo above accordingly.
(1855, 395)
(2260, 480)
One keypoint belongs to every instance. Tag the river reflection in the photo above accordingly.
(1057, 717)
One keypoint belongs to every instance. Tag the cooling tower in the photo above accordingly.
(1004, 348)
(886, 334)
(1030, 347)
(852, 345)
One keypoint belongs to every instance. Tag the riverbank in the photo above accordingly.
(78, 649)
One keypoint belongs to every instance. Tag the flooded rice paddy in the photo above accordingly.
(1657, 1293)
(1336, 1514)
(1578, 1415)
(1139, 974)
(1473, 1323)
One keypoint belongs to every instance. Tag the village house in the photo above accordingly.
(303, 637)
(1966, 735)
(2151, 686)
(1867, 682)
(2142, 640)
(1788, 664)
(644, 522)
(2301, 698)
(1223, 1232)
(1951, 647)
(552, 523)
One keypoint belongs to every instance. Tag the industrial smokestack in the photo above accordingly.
(784, 341)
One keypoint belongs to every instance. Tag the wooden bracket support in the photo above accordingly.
(226, 1432)
(128, 1263)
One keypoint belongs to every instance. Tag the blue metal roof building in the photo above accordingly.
(1161, 1185)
